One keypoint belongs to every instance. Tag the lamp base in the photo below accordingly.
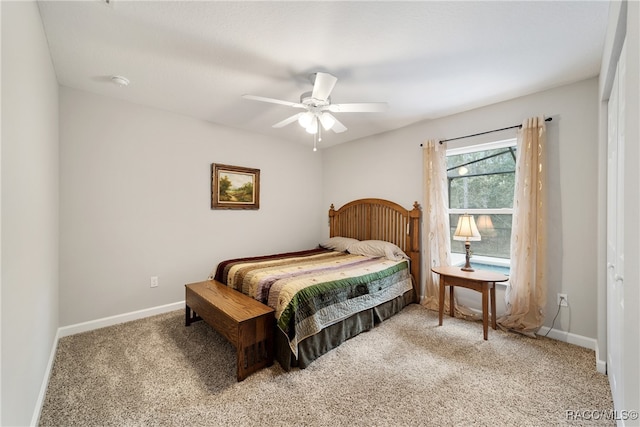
(467, 264)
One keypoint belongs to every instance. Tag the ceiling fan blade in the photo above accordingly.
(358, 107)
(287, 121)
(337, 127)
(273, 101)
(323, 86)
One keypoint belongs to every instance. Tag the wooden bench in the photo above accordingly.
(243, 321)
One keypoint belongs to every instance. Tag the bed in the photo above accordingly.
(365, 272)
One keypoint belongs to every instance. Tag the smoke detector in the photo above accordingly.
(120, 81)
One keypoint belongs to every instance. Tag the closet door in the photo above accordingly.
(615, 232)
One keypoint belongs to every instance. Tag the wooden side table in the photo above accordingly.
(482, 281)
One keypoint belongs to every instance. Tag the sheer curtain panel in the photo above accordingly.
(526, 295)
(436, 219)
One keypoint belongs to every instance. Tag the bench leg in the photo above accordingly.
(255, 345)
(190, 316)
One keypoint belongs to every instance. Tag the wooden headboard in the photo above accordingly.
(379, 219)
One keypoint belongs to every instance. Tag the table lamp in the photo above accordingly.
(467, 232)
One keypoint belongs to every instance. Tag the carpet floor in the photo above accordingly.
(405, 372)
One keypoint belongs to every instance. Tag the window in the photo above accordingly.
(481, 183)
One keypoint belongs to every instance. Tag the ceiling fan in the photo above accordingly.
(317, 106)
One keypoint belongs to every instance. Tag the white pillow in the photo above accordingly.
(378, 248)
(340, 244)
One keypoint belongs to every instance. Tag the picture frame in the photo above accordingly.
(234, 187)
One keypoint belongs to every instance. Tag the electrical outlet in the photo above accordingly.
(562, 300)
(154, 281)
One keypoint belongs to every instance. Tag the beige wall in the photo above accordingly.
(29, 210)
(135, 203)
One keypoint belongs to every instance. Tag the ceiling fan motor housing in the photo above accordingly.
(308, 100)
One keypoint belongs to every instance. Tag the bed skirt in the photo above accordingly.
(331, 337)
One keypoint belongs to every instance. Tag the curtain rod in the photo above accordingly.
(548, 119)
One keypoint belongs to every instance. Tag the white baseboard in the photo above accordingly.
(568, 337)
(579, 340)
(35, 419)
(120, 318)
(89, 326)
(601, 365)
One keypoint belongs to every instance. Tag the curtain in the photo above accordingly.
(435, 219)
(526, 295)
(436, 228)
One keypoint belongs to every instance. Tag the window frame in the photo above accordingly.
(472, 148)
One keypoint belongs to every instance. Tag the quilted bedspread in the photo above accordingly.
(313, 289)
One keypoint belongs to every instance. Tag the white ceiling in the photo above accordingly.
(426, 59)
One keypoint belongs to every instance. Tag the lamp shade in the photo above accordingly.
(466, 229)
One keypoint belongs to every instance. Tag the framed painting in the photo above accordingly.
(234, 187)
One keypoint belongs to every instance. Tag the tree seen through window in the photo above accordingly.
(482, 184)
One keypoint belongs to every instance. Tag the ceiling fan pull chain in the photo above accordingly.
(316, 138)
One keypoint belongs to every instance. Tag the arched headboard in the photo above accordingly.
(379, 219)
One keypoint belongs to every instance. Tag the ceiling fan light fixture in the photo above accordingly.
(313, 127)
(327, 121)
(305, 119)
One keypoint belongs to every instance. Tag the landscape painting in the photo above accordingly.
(234, 187)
